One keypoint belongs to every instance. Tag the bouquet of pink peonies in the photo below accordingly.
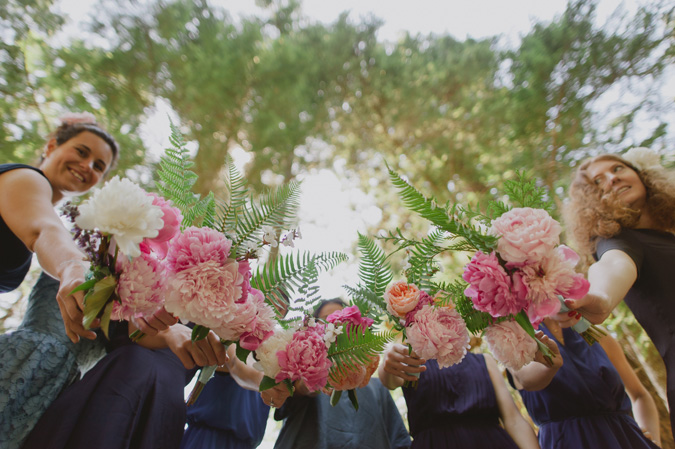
(332, 356)
(209, 278)
(518, 271)
(123, 229)
(433, 329)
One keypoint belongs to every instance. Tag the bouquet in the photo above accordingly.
(517, 272)
(334, 355)
(124, 231)
(214, 277)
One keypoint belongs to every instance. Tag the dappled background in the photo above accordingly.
(331, 103)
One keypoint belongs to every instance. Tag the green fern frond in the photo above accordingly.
(237, 194)
(369, 303)
(175, 180)
(427, 208)
(276, 208)
(475, 320)
(374, 273)
(353, 348)
(278, 280)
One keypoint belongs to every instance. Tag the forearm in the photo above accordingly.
(610, 279)
(521, 433)
(56, 251)
(246, 376)
(535, 376)
(647, 417)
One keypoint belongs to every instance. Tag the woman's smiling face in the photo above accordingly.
(78, 164)
(615, 177)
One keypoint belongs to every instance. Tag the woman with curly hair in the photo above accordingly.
(621, 211)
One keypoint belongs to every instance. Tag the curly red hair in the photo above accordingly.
(590, 214)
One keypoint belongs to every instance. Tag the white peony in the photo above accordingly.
(643, 158)
(124, 210)
(267, 351)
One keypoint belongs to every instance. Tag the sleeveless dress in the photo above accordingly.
(310, 422)
(16, 258)
(455, 407)
(131, 399)
(585, 406)
(652, 297)
(37, 361)
(225, 416)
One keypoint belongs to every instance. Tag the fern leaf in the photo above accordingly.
(374, 272)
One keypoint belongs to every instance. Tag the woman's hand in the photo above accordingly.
(275, 396)
(159, 321)
(556, 361)
(208, 351)
(567, 319)
(400, 363)
(72, 305)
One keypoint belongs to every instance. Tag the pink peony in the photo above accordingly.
(139, 288)
(491, 290)
(262, 327)
(553, 276)
(510, 344)
(305, 358)
(195, 246)
(172, 219)
(424, 300)
(526, 235)
(352, 317)
(205, 293)
(439, 333)
(401, 298)
(245, 272)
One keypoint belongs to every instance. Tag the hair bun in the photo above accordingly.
(73, 118)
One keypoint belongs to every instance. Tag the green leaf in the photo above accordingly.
(335, 397)
(96, 299)
(353, 398)
(374, 273)
(242, 354)
(86, 285)
(266, 383)
(105, 319)
(200, 332)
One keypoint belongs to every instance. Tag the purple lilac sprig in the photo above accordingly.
(89, 240)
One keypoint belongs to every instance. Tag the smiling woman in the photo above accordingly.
(621, 212)
(38, 360)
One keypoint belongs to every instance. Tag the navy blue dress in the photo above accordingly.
(310, 422)
(455, 407)
(225, 416)
(16, 257)
(585, 406)
(37, 361)
(131, 399)
(652, 297)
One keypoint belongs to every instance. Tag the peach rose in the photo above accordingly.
(401, 298)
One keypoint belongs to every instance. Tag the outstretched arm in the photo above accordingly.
(644, 408)
(611, 277)
(514, 423)
(26, 206)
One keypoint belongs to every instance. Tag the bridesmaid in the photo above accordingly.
(39, 359)
(581, 401)
(458, 406)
